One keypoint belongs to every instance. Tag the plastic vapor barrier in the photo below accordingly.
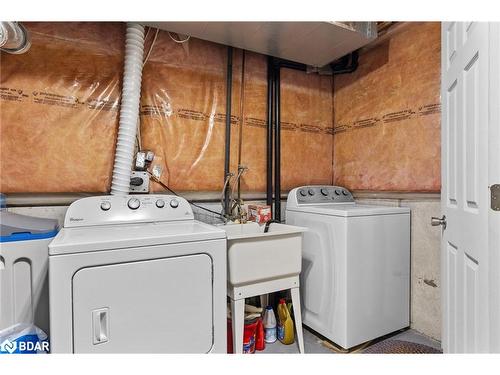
(60, 101)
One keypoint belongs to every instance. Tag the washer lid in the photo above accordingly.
(108, 237)
(350, 209)
(15, 227)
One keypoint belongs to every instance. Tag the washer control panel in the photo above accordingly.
(323, 194)
(137, 208)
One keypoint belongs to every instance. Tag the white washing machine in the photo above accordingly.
(355, 280)
(137, 274)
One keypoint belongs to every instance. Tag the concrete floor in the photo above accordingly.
(315, 344)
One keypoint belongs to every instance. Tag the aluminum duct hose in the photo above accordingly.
(129, 109)
(14, 38)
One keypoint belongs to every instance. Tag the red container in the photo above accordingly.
(260, 343)
(249, 336)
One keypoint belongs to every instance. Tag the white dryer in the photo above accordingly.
(137, 274)
(355, 280)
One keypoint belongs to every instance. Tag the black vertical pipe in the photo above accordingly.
(229, 91)
(277, 144)
(274, 129)
(270, 117)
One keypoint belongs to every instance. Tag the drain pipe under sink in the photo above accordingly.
(129, 109)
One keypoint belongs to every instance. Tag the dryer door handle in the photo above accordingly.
(100, 325)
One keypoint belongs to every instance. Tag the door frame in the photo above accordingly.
(494, 178)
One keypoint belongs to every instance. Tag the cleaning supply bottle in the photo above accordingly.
(260, 343)
(285, 324)
(269, 325)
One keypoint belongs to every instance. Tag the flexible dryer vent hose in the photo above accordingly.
(129, 109)
(14, 38)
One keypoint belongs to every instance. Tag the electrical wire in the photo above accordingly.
(177, 40)
(147, 33)
(138, 133)
(151, 47)
(173, 192)
(138, 125)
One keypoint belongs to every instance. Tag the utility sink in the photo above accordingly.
(254, 256)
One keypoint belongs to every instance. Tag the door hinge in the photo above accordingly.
(495, 197)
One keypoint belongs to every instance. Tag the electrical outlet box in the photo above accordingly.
(139, 182)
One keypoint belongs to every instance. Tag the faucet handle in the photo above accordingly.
(243, 216)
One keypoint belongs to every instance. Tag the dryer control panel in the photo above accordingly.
(323, 194)
(137, 208)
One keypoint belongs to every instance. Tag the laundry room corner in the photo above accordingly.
(386, 147)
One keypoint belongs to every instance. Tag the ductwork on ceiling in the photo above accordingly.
(14, 38)
(312, 43)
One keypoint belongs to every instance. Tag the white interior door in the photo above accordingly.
(467, 260)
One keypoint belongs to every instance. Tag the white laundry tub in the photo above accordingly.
(254, 256)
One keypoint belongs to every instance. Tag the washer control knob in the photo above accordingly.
(324, 192)
(133, 203)
(337, 191)
(174, 203)
(160, 203)
(105, 205)
(311, 192)
(345, 192)
(303, 193)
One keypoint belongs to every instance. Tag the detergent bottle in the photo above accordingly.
(285, 324)
(269, 325)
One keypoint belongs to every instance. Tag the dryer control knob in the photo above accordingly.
(133, 203)
(324, 192)
(174, 203)
(345, 192)
(303, 193)
(160, 203)
(337, 192)
(311, 192)
(105, 205)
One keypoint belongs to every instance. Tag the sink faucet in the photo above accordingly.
(236, 211)
(237, 204)
(224, 212)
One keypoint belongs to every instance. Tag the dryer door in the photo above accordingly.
(155, 306)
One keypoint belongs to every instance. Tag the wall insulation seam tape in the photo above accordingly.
(129, 109)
